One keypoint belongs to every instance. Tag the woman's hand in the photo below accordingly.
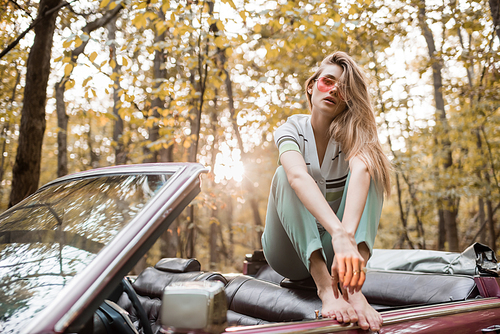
(348, 265)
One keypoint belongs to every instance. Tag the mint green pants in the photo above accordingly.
(291, 234)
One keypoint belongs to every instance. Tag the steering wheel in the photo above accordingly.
(141, 313)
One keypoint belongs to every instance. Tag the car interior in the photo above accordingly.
(263, 296)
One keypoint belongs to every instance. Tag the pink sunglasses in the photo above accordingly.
(325, 84)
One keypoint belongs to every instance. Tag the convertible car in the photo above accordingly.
(67, 250)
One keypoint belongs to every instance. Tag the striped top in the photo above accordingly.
(297, 135)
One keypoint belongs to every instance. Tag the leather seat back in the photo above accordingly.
(397, 288)
(270, 302)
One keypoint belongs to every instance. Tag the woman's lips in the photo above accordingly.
(330, 100)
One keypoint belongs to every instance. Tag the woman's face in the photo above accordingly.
(325, 97)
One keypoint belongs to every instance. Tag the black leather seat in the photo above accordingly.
(273, 302)
(270, 302)
(260, 299)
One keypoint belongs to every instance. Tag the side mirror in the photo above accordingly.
(194, 307)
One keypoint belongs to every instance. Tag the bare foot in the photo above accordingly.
(336, 308)
(368, 317)
(333, 307)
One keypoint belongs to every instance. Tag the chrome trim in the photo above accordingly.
(152, 168)
(422, 312)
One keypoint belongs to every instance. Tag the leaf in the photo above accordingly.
(230, 2)
(104, 3)
(112, 63)
(257, 28)
(58, 59)
(124, 61)
(67, 43)
(69, 84)
(68, 69)
(112, 5)
(86, 81)
(93, 56)
(219, 41)
(219, 25)
(78, 42)
(114, 76)
(166, 6)
(229, 51)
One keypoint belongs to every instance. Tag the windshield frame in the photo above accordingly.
(78, 300)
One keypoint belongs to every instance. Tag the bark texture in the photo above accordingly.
(495, 15)
(26, 170)
(62, 124)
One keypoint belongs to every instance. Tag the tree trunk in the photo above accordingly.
(441, 229)
(448, 204)
(94, 157)
(158, 103)
(214, 222)
(190, 233)
(481, 218)
(229, 222)
(491, 225)
(495, 15)
(170, 241)
(62, 125)
(26, 170)
(213, 233)
(403, 216)
(120, 154)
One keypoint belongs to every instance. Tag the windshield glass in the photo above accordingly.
(49, 238)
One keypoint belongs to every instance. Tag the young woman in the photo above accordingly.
(326, 197)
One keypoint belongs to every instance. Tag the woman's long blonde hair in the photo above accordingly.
(355, 128)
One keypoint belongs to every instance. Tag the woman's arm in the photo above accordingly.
(346, 254)
(357, 192)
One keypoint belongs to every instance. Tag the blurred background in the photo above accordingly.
(86, 84)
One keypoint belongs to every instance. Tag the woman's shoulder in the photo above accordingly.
(295, 123)
(298, 120)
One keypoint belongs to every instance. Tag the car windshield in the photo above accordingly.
(52, 236)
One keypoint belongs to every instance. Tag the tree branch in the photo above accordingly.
(32, 25)
(21, 8)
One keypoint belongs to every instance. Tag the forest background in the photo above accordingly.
(86, 84)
